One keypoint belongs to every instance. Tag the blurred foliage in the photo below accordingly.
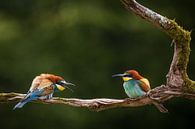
(86, 42)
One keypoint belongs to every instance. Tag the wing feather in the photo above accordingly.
(39, 82)
(145, 84)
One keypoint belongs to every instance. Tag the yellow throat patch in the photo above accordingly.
(125, 79)
(61, 88)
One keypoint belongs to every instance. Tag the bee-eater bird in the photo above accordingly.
(136, 86)
(43, 87)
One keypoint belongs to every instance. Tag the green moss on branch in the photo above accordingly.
(182, 39)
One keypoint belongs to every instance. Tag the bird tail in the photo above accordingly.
(25, 100)
(160, 107)
(20, 105)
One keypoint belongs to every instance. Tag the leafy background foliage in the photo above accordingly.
(86, 42)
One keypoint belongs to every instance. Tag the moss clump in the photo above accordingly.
(190, 85)
(182, 39)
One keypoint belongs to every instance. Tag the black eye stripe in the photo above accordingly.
(60, 83)
(127, 76)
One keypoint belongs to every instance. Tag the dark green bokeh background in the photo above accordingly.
(86, 42)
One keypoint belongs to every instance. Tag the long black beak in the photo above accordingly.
(64, 83)
(118, 75)
(70, 84)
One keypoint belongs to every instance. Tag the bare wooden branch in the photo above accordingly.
(98, 104)
(146, 14)
(178, 84)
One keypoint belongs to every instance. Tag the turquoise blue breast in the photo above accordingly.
(132, 88)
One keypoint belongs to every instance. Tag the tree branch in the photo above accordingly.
(98, 104)
(92, 104)
(177, 76)
(178, 84)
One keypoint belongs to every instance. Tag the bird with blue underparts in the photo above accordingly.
(136, 86)
(43, 87)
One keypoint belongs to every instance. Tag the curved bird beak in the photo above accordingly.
(64, 83)
(67, 83)
(118, 75)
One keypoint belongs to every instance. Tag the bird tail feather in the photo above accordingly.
(20, 105)
(25, 100)
(160, 107)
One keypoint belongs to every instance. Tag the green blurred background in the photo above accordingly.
(86, 42)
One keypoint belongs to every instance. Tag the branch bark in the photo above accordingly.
(178, 84)
(98, 104)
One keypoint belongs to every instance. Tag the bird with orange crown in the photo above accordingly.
(136, 86)
(43, 87)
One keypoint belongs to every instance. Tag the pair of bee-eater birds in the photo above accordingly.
(45, 85)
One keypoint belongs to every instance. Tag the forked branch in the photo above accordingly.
(178, 84)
